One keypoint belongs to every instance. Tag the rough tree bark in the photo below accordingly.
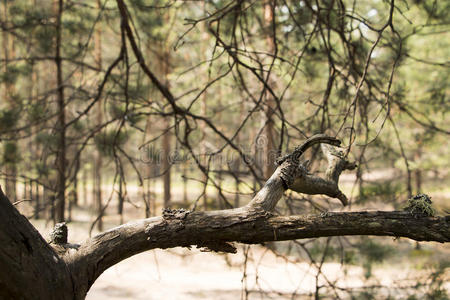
(30, 268)
(26, 260)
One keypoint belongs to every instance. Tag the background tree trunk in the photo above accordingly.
(61, 124)
(11, 152)
(166, 139)
(269, 149)
(98, 162)
(165, 166)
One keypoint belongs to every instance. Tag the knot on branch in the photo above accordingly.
(58, 239)
(290, 171)
(59, 234)
(170, 214)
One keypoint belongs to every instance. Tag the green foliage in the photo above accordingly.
(420, 205)
(372, 252)
(420, 253)
(42, 169)
(350, 257)
(77, 25)
(8, 119)
(78, 126)
(137, 91)
(384, 191)
(432, 288)
(106, 141)
(46, 139)
(13, 72)
(44, 36)
(439, 98)
(36, 112)
(317, 250)
(117, 111)
(11, 154)
(153, 21)
(364, 295)
(437, 10)
(26, 16)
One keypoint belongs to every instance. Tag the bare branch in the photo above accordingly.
(242, 225)
(288, 171)
(312, 185)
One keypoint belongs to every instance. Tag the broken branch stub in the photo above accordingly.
(289, 171)
(295, 176)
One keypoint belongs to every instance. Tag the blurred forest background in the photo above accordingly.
(112, 110)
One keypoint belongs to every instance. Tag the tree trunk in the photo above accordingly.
(8, 91)
(84, 177)
(236, 166)
(148, 169)
(97, 190)
(147, 194)
(166, 164)
(121, 199)
(418, 170)
(202, 126)
(45, 203)
(30, 267)
(75, 181)
(61, 124)
(185, 184)
(203, 152)
(34, 152)
(37, 206)
(269, 148)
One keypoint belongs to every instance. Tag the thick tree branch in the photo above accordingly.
(242, 225)
(253, 223)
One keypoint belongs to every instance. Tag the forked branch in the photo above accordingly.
(288, 172)
(337, 163)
